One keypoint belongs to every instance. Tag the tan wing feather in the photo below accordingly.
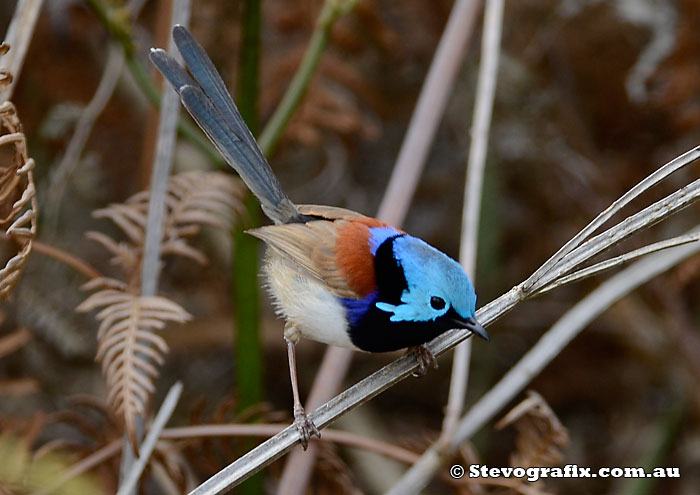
(330, 212)
(310, 248)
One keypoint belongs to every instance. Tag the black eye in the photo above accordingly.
(437, 302)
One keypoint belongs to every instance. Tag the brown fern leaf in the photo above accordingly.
(130, 218)
(123, 254)
(129, 349)
(104, 283)
(199, 198)
(540, 434)
(18, 204)
(205, 198)
(194, 199)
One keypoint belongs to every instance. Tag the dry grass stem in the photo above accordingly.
(339, 437)
(67, 258)
(19, 35)
(483, 107)
(428, 112)
(155, 430)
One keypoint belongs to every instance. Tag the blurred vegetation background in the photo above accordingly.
(591, 97)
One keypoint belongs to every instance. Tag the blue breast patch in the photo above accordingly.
(357, 308)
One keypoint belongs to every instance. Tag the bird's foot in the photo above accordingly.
(304, 426)
(425, 359)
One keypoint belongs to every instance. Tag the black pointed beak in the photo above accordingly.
(473, 326)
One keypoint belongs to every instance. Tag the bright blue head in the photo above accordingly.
(421, 293)
(435, 283)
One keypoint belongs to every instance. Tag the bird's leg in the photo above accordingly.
(303, 424)
(425, 359)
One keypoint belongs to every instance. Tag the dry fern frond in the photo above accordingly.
(104, 283)
(124, 255)
(540, 435)
(204, 198)
(129, 349)
(193, 199)
(18, 204)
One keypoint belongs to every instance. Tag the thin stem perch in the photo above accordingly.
(484, 97)
(396, 371)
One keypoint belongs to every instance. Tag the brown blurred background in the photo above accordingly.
(591, 98)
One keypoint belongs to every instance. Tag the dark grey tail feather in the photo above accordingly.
(209, 80)
(171, 69)
(206, 98)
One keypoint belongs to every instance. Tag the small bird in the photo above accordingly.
(336, 276)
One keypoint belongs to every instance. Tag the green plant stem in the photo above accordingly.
(245, 256)
(246, 296)
(117, 21)
(332, 10)
(248, 349)
(249, 64)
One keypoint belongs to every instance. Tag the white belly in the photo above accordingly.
(316, 312)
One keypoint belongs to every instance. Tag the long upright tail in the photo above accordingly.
(206, 98)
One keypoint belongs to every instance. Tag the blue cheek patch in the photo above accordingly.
(402, 312)
(356, 309)
(380, 234)
(414, 308)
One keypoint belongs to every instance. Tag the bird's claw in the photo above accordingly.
(304, 426)
(425, 360)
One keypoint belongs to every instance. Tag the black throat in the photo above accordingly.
(374, 331)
